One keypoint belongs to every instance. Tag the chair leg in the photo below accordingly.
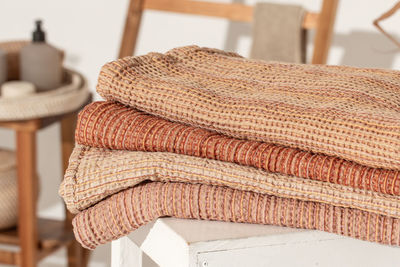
(77, 255)
(323, 35)
(27, 189)
(131, 30)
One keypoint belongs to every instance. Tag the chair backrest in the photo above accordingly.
(322, 22)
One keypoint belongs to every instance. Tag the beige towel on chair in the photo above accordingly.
(278, 34)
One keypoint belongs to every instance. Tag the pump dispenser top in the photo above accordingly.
(41, 63)
(38, 35)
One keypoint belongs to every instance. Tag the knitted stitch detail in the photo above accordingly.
(347, 112)
(115, 126)
(126, 211)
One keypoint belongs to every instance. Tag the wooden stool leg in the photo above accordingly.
(77, 255)
(27, 190)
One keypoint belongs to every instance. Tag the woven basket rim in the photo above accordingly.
(64, 99)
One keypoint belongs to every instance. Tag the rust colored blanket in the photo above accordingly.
(115, 126)
(126, 211)
(96, 173)
(347, 112)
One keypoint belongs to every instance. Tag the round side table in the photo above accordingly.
(38, 237)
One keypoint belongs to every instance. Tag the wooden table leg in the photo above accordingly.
(77, 255)
(27, 196)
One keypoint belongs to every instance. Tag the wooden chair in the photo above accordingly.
(36, 237)
(322, 22)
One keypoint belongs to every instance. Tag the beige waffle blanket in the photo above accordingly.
(347, 112)
(96, 173)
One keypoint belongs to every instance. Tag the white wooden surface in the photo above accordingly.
(170, 242)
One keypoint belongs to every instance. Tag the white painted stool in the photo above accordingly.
(170, 242)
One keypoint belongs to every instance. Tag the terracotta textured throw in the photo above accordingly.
(96, 173)
(115, 126)
(347, 112)
(126, 211)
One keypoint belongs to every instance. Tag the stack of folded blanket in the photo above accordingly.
(206, 134)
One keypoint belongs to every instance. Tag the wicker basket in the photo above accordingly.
(72, 95)
(8, 190)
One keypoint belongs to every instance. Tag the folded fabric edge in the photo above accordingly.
(127, 210)
(163, 167)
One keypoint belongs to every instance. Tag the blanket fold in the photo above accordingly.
(115, 126)
(96, 173)
(347, 112)
(126, 211)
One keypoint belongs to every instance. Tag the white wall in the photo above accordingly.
(90, 32)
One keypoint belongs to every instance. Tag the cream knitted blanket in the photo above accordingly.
(96, 173)
(347, 112)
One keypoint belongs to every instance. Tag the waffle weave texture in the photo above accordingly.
(8, 190)
(347, 112)
(126, 211)
(115, 126)
(65, 99)
(94, 174)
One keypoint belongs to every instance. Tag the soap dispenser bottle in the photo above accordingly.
(41, 64)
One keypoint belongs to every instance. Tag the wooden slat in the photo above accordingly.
(29, 125)
(131, 29)
(323, 35)
(52, 234)
(311, 21)
(234, 11)
(10, 257)
(231, 11)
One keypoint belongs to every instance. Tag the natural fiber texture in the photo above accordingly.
(112, 125)
(96, 173)
(8, 190)
(278, 33)
(67, 98)
(128, 210)
(347, 112)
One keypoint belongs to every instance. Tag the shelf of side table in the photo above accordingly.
(52, 235)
